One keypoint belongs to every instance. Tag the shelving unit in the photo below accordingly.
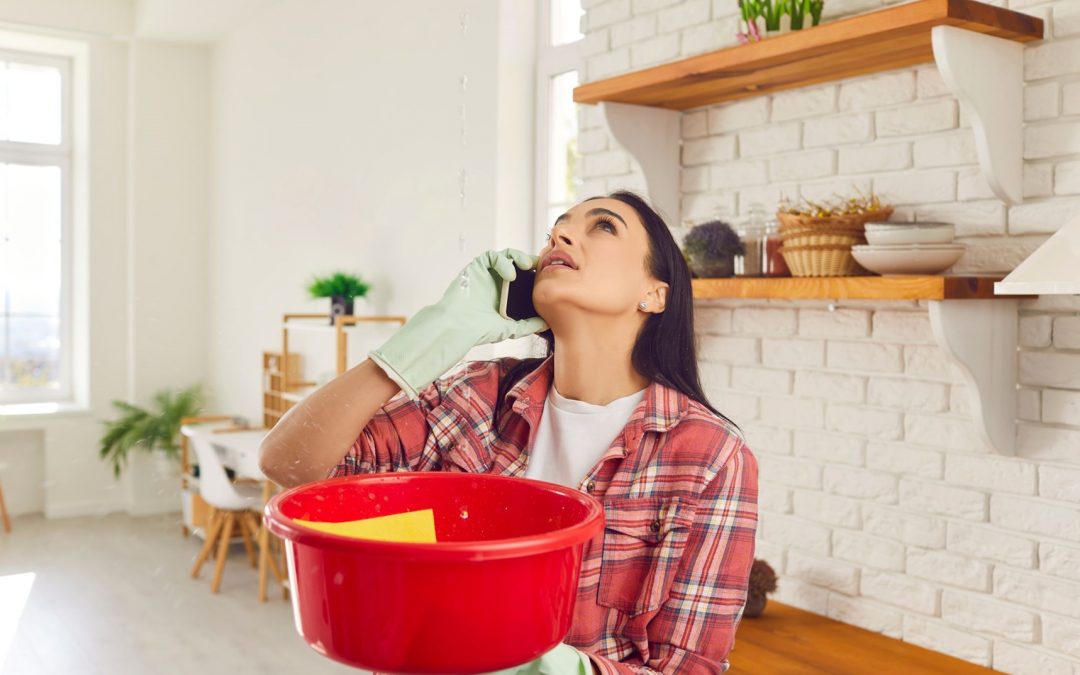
(877, 41)
(976, 329)
(978, 48)
(275, 397)
(283, 385)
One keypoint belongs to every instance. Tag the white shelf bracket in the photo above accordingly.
(986, 74)
(651, 136)
(980, 336)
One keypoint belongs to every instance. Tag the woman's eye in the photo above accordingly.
(607, 224)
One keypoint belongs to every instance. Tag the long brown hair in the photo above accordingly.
(666, 349)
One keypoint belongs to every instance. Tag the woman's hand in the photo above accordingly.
(467, 315)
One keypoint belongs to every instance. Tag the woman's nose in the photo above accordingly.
(559, 233)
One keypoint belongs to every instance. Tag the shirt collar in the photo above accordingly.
(660, 410)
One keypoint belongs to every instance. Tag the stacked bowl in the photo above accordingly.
(908, 248)
(822, 246)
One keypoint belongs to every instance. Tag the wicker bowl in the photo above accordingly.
(821, 260)
(821, 237)
(853, 222)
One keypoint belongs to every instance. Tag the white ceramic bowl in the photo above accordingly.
(908, 258)
(942, 233)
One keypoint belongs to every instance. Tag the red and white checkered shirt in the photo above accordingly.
(662, 588)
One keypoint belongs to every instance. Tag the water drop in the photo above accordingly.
(464, 514)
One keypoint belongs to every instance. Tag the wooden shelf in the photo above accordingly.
(839, 288)
(883, 40)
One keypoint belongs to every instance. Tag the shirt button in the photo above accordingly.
(655, 526)
(591, 486)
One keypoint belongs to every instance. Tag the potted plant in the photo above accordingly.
(711, 248)
(772, 13)
(762, 582)
(800, 8)
(149, 430)
(341, 288)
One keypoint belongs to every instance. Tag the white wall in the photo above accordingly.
(879, 506)
(338, 144)
(145, 233)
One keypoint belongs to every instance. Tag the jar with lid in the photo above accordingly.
(773, 263)
(752, 234)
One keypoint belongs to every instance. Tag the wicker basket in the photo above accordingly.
(813, 237)
(855, 222)
(822, 260)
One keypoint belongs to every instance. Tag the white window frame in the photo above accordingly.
(551, 60)
(40, 154)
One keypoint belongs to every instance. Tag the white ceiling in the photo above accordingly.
(192, 20)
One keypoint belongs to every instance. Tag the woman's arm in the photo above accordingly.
(311, 438)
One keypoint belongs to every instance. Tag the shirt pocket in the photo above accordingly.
(644, 539)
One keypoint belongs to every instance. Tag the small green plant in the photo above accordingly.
(338, 284)
(149, 430)
(714, 239)
(772, 11)
(799, 9)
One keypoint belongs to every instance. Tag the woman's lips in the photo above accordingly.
(556, 267)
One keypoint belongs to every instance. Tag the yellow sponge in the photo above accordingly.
(416, 527)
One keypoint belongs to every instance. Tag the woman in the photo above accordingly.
(616, 409)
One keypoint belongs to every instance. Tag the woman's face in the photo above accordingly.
(608, 244)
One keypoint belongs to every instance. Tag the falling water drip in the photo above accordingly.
(463, 86)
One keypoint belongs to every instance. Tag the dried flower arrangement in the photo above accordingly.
(762, 582)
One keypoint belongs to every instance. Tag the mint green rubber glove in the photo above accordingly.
(562, 660)
(438, 336)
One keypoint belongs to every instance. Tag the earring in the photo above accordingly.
(642, 305)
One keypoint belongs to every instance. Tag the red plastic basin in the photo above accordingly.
(496, 591)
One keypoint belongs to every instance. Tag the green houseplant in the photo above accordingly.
(341, 288)
(711, 248)
(149, 430)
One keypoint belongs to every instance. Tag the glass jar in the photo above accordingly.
(753, 239)
(773, 264)
(752, 234)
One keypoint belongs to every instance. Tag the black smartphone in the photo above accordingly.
(516, 297)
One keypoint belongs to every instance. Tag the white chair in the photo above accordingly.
(232, 504)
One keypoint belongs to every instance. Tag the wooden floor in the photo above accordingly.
(113, 596)
(792, 641)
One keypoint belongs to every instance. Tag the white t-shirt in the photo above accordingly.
(573, 435)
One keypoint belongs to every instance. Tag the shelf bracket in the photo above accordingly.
(986, 74)
(651, 136)
(980, 336)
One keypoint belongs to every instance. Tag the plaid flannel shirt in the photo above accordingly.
(662, 588)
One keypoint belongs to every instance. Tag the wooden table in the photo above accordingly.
(793, 641)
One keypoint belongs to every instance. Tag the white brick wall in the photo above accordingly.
(879, 505)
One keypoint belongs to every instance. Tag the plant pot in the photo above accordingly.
(340, 304)
(707, 267)
(755, 604)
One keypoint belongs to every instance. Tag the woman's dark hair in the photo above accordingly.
(665, 350)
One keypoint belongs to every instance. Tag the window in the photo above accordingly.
(35, 230)
(557, 64)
